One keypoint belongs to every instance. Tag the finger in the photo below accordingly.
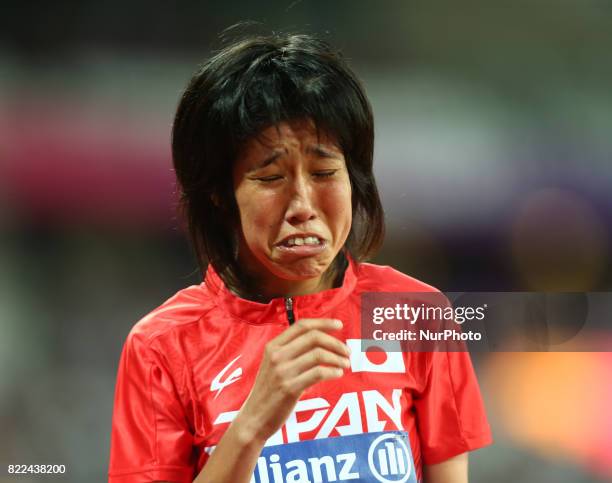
(304, 325)
(316, 374)
(309, 341)
(310, 359)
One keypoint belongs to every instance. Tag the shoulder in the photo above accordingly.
(384, 278)
(180, 313)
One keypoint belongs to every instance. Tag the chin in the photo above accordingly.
(304, 270)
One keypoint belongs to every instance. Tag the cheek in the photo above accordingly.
(257, 213)
(338, 205)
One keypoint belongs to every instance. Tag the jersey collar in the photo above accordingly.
(305, 306)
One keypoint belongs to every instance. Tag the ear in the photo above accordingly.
(215, 200)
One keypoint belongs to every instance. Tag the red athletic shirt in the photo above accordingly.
(188, 366)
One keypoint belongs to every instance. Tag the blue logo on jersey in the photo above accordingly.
(383, 457)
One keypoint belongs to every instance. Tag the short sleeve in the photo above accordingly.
(450, 414)
(150, 436)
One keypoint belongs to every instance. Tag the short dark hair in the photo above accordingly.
(249, 85)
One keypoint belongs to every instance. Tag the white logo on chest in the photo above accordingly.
(218, 385)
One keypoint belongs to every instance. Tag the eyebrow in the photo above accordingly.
(313, 148)
(322, 151)
(269, 160)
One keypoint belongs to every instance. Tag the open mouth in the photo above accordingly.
(301, 241)
(302, 246)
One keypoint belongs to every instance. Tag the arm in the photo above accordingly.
(301, 356)
(453, 470)
(450, 415)
(150, 438)
(235, 456)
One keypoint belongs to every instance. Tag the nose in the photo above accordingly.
(300, 208)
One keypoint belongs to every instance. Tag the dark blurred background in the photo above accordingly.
(493, 156)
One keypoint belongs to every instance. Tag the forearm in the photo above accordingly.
(234, 458)
(453, 470)
(299, 357)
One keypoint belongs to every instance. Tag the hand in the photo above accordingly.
(301, 356)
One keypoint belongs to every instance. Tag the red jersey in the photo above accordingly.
(188, 366)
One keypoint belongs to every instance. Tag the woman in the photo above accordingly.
(256, 374)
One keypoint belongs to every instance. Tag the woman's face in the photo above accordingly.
(294, 197)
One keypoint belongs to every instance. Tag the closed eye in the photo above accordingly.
(267, 179)
(325, 174)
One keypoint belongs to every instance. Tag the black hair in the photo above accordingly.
(247, 86)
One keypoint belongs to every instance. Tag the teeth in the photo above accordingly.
(309, 240)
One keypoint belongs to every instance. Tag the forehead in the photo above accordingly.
(297, 134)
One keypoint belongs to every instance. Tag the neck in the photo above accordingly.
(263, 291)
(292, 288)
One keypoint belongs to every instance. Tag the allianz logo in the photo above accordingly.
(387, 460)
